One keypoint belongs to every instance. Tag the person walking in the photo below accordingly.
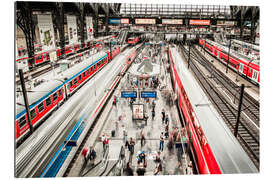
(166, 119)
(161, 142)
(125, 138)
(131, 145)
(163, 115)
(153, 114)
(142, 138)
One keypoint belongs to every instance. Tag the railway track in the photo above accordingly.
(251, 107)
(247, 136)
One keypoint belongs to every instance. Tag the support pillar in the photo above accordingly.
(58, 20)
(25, 22)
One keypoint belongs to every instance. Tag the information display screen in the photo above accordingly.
(226, 23)
(129, 94)
(199, 22)
(145, 21)
(172, 21)
(124, 21)
(148, 94)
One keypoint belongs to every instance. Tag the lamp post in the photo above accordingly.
(228, 56)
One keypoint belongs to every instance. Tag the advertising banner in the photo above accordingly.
(172, 21)
(72, 29)
(137, 111)
(145, 21)
(46, 31)
(89, 27)
(199, 22)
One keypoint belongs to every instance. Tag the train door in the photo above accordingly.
(255, 75)
(218, 54)
(241, 68)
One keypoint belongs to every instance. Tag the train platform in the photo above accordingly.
(251, 89)
(119, 119)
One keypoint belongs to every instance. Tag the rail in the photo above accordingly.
(246, 138)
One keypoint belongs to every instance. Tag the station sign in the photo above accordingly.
(128, 94)
(149, 94)
(199, 22)
(172, 21)
(145, 21)
(226, 23)
(115, 21)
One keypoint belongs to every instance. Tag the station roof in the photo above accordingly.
(176, 10)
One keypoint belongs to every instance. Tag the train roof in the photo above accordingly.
(36, 95)
(229, 154)
(234, 53)
(42, 91)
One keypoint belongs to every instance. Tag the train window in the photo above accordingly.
(255, 75)
(88, 72)
(241, 67)
(22, 121)
(54, 96)
(33, 113)
(80, 77)
(75, 81)
(60, 93)
(70, 84)
(40, 107)
(44, 56)
(48, 101)
(83, 74)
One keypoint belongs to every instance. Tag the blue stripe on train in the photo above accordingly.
(55, 89)
(59, 158)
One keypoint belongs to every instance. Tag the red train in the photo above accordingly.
(133, 40)
(247, 67)
(41, 57)
(47, 96)
(215, 149)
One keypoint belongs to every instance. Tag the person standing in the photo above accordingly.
(129, 170)
(161, 142)
(141, 170)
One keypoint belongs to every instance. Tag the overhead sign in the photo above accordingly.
(89, 26)
(129, 94)
(199, 22)
(145, 21)
(172, 21)
(124, 21)
(148, 94)
(226, 23)
(46, 31)
(115, 21)
(72, 29)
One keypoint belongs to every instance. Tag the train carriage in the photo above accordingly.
(247, 67)
(216, 149)
(48, 95)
